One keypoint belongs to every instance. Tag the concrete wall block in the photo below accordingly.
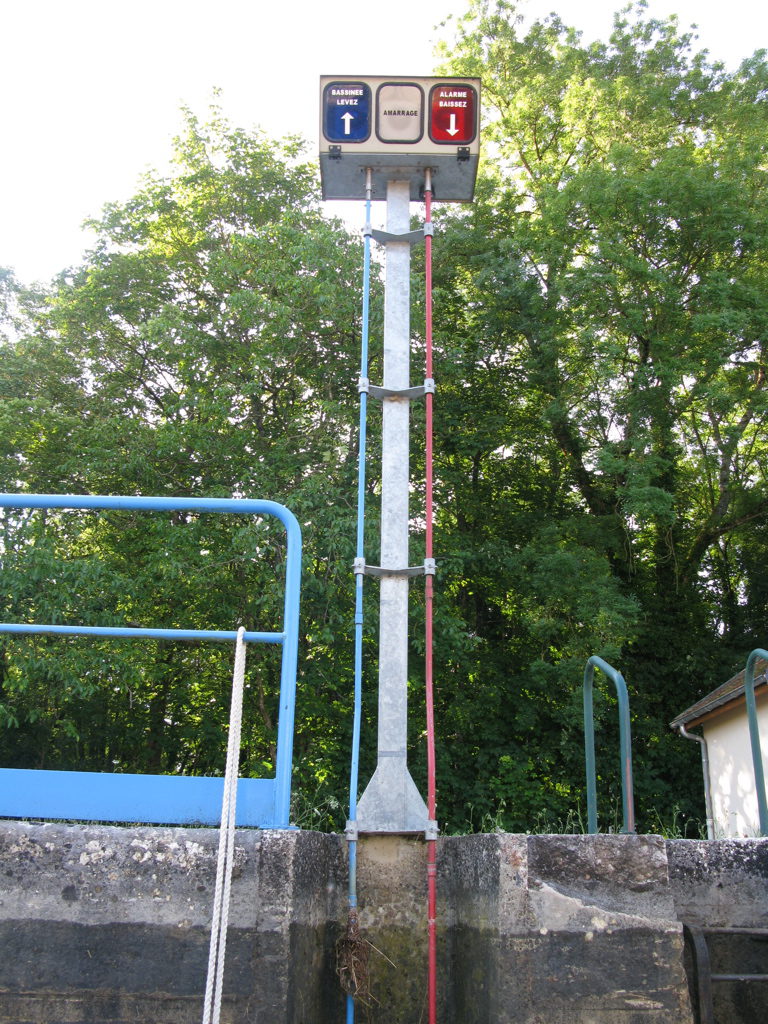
(392, 898)
(723, 884)
(594, 883)
(111, 925)
(563, 928)
(720, 883)
(319, 900)
(610, 977)
(104, 873)
(98, 916)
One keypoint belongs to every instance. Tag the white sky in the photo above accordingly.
(91, 89)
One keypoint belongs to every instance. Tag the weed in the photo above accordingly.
(676, 826)
(317, 812)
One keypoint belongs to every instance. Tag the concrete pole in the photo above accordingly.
(391, 802)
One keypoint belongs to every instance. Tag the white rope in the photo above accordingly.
(220, 920)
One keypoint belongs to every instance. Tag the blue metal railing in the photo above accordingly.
(627, 790)
(166, 799)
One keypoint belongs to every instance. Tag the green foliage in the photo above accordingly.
(207, 347)
(607, 412)
(600, 322)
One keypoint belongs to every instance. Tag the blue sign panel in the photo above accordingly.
(347, 111)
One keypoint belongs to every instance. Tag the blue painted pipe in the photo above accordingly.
(359, 551)
(139, 632)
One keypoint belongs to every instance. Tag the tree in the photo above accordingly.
(208, 346)
(608, 292)
(600, 315)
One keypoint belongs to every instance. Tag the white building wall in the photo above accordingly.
(731, 773)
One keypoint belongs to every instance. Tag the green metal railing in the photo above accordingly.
(754, 737)
(627, 791)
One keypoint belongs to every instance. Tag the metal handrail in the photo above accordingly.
(754, 737)
(160, 798)
(627, 791)
(701, 962)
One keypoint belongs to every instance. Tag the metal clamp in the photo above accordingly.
(379, 570)
(411, 237)
(350, 831)
(362, 386)
(426, 569)
(431, 831)
(359, 567)
(429, 230)
(428, 387)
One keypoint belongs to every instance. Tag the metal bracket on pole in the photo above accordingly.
(431, 831)
(429, 230)
(427, 569)
(350, 832)
(411, 237)
(379, 570)
(427, 388)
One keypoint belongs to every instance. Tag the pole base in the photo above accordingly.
(391, 801)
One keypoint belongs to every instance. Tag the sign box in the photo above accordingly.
(398, 127)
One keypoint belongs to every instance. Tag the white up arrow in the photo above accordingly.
(348, 119)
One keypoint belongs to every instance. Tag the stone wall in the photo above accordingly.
(105, 924)
(579, 928)
(725, 885)
(109, 925)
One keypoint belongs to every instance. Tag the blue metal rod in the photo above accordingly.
(242, 506)
(141, 633)
(360, 546)
(288, 672)
(360, 553)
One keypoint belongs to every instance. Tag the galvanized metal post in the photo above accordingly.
(391, 801)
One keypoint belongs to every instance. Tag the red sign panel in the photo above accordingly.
(452, 114)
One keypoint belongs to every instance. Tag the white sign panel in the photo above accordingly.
(399, 113)
(398, 128)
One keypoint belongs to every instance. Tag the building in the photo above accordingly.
(729, 776)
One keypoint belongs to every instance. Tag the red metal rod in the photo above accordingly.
(429, 515)
(429, 594)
